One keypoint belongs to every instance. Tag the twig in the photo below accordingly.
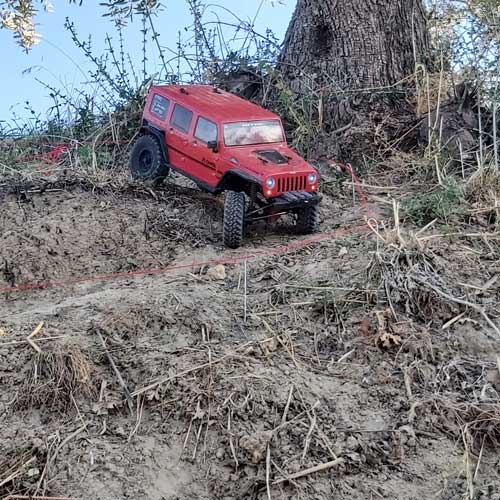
(268, 471)
(346, 355)
(371, 186)
(169, 378)
(245, 297)
(452, 321)
(198, 434)
(78, 410)
(117, 372)
(494, 235)
(231, 444)
(311, 470)
(140, 406)
(309, 435)
(54, 455)
(25, 341)
(282, 472)
(33, 334)
(17, 472)
(294, 419)
(287, 406)
(463, 302)
(22, 497)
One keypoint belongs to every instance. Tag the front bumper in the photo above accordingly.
(286, 203)
(294, 199)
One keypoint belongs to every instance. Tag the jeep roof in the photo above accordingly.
(215, 103)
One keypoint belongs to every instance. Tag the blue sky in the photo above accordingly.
(58, 62)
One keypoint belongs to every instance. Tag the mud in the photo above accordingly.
(277, 367)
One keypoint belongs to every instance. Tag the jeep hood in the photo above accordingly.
(268, 159)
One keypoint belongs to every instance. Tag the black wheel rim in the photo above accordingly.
(145, 161)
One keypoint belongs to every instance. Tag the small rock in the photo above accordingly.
(34, 472)
(408, 436)
(217, 273)
(352, 443)
(38, 443)
(343, 251)
(493, 377)
(120, 431)
(355, 457)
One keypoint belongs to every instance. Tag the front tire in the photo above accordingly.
(147, 161)
(308, 220)
(234, 219)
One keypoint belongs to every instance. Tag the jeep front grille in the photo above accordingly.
(296, 183)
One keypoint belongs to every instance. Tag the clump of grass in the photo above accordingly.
(480, 419)
(483, 193)
(439, 204)
(406, 274)
(55, 377)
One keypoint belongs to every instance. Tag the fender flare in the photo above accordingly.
(235, 172)
(148, 128)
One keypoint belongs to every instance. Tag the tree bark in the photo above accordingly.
(358, 54)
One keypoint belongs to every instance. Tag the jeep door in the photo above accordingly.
(183, 147)
(206, 131)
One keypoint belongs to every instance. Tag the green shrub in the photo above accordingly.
(438, 204)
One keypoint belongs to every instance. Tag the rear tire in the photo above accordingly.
(147, 161)
(234, 219)
(308, 220)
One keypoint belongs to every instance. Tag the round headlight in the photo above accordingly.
(270, 182)
(312, 178)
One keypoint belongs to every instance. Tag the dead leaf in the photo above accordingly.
(388, 341)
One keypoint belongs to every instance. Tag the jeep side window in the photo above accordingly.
(181, 118)
(206, 130)
(159, 106)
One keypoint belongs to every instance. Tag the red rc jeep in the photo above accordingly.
(224, 143)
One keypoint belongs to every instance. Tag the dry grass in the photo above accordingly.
(481, 420)
(431, 89)
(483, 192)
(404, 270)
(55, 377)
(18, 468)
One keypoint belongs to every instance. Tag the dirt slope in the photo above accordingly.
(303, 366)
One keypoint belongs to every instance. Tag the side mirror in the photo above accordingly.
(212, 145)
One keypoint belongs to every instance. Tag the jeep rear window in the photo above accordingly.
(206, 130)
(181, 118)
(159, 106)
(254, 132)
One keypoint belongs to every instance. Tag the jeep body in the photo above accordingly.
(226, 144)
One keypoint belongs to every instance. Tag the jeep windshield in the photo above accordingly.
(254, 132)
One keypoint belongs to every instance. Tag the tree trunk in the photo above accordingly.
(356, 54)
